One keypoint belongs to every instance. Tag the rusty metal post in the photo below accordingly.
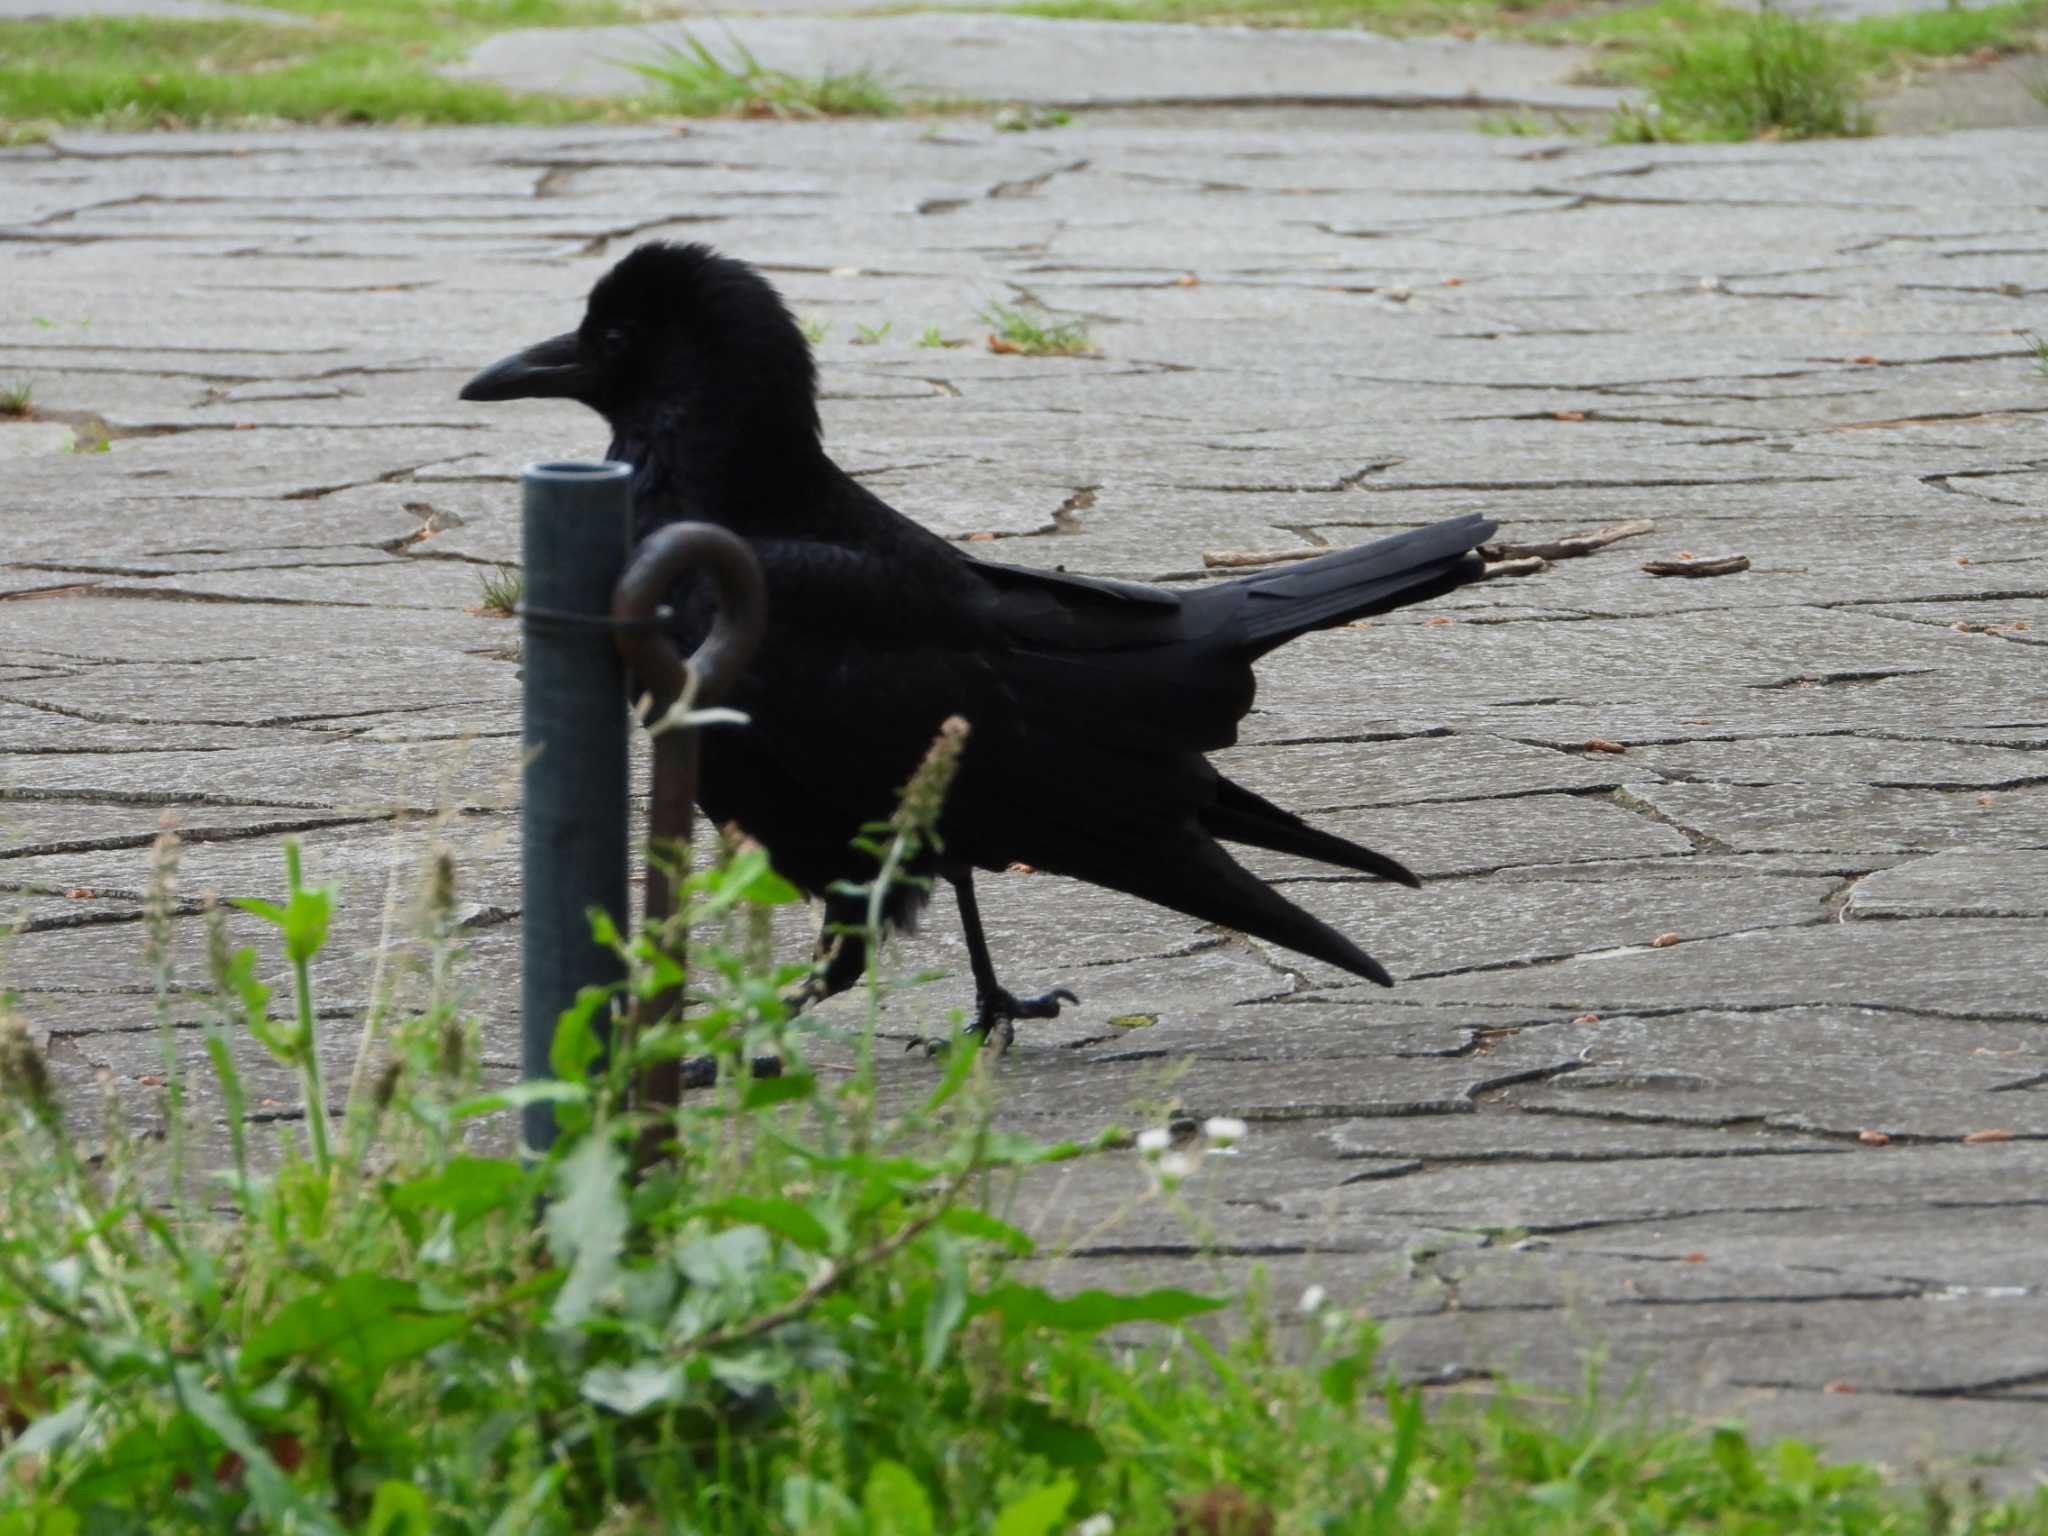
(663, 558)
(576, 528)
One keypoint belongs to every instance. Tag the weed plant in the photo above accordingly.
(693, 81)
(500, 589)
(1776, 75)
(805, 1316)
(1019, 330)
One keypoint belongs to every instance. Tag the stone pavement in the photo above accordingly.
(1697, 1042)
(1079, 64)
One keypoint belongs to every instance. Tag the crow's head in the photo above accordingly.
(675, 339)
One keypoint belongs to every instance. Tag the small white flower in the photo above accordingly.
(1095, 1525)
(1178, 1165)
(1154, 1142)
(1224, 1131)
(1312, 1300)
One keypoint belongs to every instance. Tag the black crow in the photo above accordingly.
(1092, 702)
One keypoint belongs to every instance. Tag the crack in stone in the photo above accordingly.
(1702, 841)
(1852, 678)
(281, 827)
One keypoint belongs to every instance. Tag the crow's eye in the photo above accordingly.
(613, 342)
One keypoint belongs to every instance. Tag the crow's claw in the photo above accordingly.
(995, 1015)
(702, 1071)
(997, 1011)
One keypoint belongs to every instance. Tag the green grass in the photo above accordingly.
(499, 590)
(1018, 330)
(2040, 347)
(16, 399)
(693, 81)
(787, 1307)
(1527, 125)
(1774, 75)
(360, 61)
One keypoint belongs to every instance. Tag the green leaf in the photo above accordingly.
(947, 1306)
(1340, 1378)
(725, 1259)
(1027, 1306)
(809, 1503)
(761, 1092)
(518, 1096)
(785, 1218)
(633, 1389)
(602, 929)
(966, 1221)
(586, 1225)
(1042, 1432)
(269, 911)
(519, 1517)
(959, 1064)
(359, 1327)
(1730, 1449)
(1404, 1409)
(49, 1432)
(306, 917)
(270, 1491)
(399, 1509)
(768, 889)
(896, 1503)
(577, 1044)
(1037, 1513)
(467, 1188)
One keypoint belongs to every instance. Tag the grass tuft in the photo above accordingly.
(1776, 76)
(695, 82)
(500, 589)
(1017, 330)
(17, 399)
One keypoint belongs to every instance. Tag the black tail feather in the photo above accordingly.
(1239, 816)
(1350, 584)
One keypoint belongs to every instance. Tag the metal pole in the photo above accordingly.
(576, 527)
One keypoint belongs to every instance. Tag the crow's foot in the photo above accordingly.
(995, 1016)
(702, 1071)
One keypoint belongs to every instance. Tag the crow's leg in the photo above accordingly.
(841, 959)
(996, 1010)
(841, 955)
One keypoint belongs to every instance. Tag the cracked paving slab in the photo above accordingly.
(1652, 999)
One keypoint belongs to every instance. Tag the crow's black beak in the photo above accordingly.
(545, 370)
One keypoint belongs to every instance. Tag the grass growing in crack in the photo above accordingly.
(871, 335)
(808, 1316)
(932, 336)
(1018, 330)
(2040, 346)
(500, 589)
(696, 82)
(1776, 75)
(1527, 125)
(17, 399)
(815, 328)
